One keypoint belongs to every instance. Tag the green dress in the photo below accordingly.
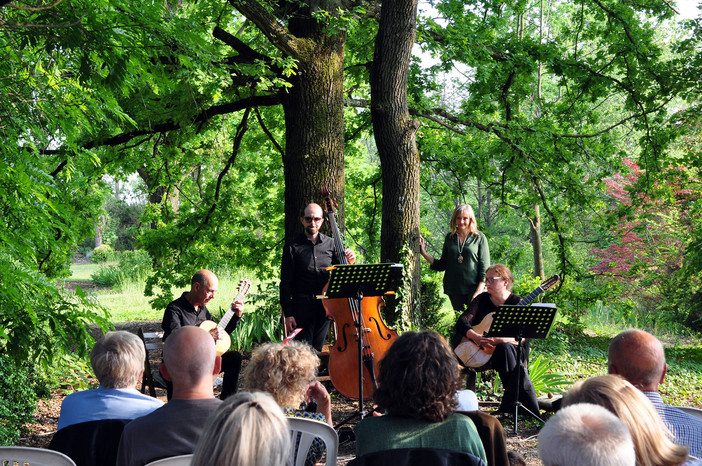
(462, 278)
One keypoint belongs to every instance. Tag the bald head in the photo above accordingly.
(189, 356)
(203, 287)
(638, 356)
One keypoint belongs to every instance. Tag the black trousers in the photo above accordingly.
(460, 302)
(504, 361)
(312, 318)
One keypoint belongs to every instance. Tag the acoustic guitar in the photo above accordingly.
(472, 355)
(225, 343)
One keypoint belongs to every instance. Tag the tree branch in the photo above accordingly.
(269, 26)
(240, 131)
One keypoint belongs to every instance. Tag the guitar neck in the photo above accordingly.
(227, 317)
(530, 297)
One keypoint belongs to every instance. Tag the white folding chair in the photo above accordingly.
(33, 457)
(182, 460)
(309, 429)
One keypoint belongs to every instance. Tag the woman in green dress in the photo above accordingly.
(465, 258)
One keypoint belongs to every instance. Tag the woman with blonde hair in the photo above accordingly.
(465, 258)
(248, 429)
(288, 372)
(652, 440)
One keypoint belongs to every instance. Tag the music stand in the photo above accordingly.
(354, 281)
(521, 322)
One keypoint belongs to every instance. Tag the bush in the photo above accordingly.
(103, 253)
(106, 275)
(18, 384)
(265, 323)
(134, 265)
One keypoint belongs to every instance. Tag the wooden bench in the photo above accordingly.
(153, 344)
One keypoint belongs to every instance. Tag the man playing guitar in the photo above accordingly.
(191, 309)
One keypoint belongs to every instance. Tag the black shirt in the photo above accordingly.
(303, 271)
(180, 313)
(480, 307)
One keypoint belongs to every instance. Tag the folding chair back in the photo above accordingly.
(33, 457)
(308, 430)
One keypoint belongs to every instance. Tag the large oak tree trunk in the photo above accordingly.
(395, 138)
(314, 118)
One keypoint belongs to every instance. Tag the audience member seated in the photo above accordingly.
(190, 362)
(587, 435)
(638, 356)
(418, 380)
(248, 429)
(118, 362)
(652, 440)
(287, 372)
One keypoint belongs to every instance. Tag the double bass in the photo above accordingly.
(375, 335)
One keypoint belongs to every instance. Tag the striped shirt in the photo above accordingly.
(686, 429)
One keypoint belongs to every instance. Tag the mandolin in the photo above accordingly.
(225, 343)
(472, 355)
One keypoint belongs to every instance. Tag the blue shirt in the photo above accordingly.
(105, 403)
(686, 428)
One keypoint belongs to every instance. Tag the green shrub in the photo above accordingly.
(19, 385)
(103, 253)
(134, 265)
(431, 302)
(262, 325)
(106, 275)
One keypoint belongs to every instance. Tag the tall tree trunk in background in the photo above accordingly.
(535, 236)
(313, 105)
(314, 135)
(98, 237)
(395, 138)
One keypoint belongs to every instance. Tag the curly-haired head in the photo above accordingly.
(284, 371)
(418, 377)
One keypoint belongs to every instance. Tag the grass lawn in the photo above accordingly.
(128, 302)
(83, 271)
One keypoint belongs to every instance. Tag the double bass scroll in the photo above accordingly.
(375, 337)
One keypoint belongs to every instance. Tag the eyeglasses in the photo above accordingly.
(492, 280)
(312, 219)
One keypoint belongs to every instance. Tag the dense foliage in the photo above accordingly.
(527, 107)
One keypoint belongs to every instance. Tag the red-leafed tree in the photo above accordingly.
(651, 221)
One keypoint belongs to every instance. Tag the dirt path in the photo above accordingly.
(41, 430)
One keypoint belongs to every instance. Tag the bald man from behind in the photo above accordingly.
(638, 356)
(190, 362)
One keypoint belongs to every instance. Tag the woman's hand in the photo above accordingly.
(317, 392)
(423, 250)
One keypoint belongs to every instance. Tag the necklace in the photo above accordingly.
(460, 248)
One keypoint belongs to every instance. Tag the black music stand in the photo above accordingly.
(354, 281)
(521, 322)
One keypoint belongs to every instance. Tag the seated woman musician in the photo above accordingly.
(498, 281)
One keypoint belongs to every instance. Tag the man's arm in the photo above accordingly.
(171, 321)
